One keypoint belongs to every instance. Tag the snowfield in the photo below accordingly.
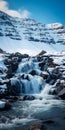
(30, 37)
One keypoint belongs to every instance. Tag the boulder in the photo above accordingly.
(44, 75)
(39, 126)
(42, 52)
(13, 88)
(5, 105)
(11, 98)
(4, 119)
(28, 97)
(33, 72)
(62, 94)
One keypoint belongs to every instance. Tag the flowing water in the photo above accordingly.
(44, 108)
(23, 114)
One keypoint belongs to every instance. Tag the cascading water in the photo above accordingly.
(31, 84)
(26, 65)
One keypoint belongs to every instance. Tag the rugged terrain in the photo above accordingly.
(30, 37)
(32, 74)
(32, 91)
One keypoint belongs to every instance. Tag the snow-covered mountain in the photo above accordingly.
(31, 87)
(29, 36)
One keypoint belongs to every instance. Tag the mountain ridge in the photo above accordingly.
(29, 36)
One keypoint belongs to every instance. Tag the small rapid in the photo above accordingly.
(30, 84)
(34, 105)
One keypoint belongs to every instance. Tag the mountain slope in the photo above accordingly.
(29, 36)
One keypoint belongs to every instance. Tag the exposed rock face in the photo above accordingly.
(1, 51)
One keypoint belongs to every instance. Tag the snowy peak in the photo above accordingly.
(4, 16)
(55, 26)
(58, 29)
(7, 29)
(29, 36)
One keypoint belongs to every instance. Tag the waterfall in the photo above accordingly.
(26, 65)
(46, 90)
(32, 86)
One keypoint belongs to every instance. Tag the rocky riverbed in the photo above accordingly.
(46, 113)
(32, 91)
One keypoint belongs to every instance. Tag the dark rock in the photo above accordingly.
(11, 98)
(19, 55)
(27, 77)
(33, 39)
(3, 92)
(28, 97)
(42, 53)
(3, 119)
(48, 79)
(13, 89)
(1, 71)
(56, 73)
(1, 51)
(37, 127)
(50, 62)
(41, 65)
(44, 75)
(49, 122)
(33, 72)
(14, 66)
(62, 94)
(7, 106)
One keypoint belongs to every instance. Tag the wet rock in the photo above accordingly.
(41, 65)
(27, 77)
(53, 92)
(1, 71)
(3, 119)
(62, 94)
(37, 127)
(3, 90)
(11, 98)
(5, 105)
(28, 97)
(50, 62)
(44, 75)
(13, 88)
(12, 67)
(56, 73)
(12, 62)
(33, 72)
(49, 122)
(48, 79)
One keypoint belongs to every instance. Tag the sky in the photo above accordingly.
(45, 11)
